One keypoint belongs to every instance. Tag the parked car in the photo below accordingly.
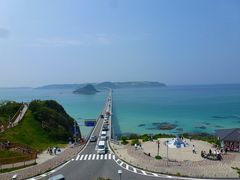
(93, 138)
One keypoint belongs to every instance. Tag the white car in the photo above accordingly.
(102, 147)
(103, 135)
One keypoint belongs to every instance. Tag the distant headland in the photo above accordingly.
(104, 85)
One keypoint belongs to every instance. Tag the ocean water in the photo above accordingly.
(80, 107)
(191, 109)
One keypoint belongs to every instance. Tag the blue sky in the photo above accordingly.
(171, 41)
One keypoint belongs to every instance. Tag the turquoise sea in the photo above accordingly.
(189, 108)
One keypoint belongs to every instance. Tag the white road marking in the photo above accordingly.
(77, 157)
(81, 157)
(155, 174)
(93, 157)
(118, 160)
(85, 158)
(121, 163)
(144, 172)
(127, 166)
(114, 156)
(105, 156)
(134, 169)
(101, 156)
(97, 157)
(89, 157)
(109, 157)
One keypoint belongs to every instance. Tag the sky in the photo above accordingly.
(75, 41)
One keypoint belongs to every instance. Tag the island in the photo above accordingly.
(89, 89)
(107, 84)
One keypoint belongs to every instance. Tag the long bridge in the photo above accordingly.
(88, 164)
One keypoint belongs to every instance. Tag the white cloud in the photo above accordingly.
(82, 40)
(104, 39)
(56, 42)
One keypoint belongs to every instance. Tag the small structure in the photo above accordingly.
(230, 139)
(176, 143)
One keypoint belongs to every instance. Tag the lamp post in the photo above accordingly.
(167, 151)
(120, 174)
(158, 142)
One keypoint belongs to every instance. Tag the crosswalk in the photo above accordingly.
(90, 157)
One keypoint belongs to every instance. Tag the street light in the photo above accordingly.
(120, 174)
(167, 151)
(158, 142)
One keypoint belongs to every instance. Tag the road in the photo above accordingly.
(88, 165)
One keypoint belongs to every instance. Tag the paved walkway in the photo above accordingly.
(21, 115)
(28, 172)
(196, 168)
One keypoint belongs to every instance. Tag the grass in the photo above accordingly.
(6, 154)
(30, 133)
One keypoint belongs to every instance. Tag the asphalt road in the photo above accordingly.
(85, 167)
(88, 165)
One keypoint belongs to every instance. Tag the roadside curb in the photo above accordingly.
(152, 173)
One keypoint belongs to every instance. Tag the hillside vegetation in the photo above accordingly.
(45, 124)
(7, 111)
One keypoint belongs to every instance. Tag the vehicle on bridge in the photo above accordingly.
(93, 139)
(102, 147)
(103, 135)
(105, 127)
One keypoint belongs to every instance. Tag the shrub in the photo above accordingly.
(124, 140)
(145, 137)
(158, 157)
(135, 141)
(178, 174)
(237, 169)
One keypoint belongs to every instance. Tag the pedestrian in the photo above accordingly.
(193, 150)
(210, 151)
